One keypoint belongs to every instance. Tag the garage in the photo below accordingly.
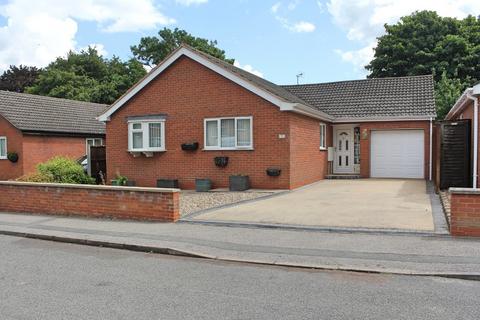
(397, 154)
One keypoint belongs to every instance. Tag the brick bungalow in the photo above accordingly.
(376, 127)
(38, 128)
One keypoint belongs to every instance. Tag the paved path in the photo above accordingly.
(364, 203)
(46, 280)
(402, 254)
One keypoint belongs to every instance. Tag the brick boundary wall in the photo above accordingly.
(465, 212)
(159, 204)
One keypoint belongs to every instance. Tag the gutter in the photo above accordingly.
(431, 152)
(474, 97)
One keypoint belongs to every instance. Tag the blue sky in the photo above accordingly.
(327, 40)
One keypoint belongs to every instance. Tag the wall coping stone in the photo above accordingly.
(464, 191)
(89, 187)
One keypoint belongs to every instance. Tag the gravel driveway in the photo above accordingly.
(191, 201)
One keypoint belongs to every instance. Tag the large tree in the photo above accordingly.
(151, 50)
(87, 76)
(18, 78)
(425, 43)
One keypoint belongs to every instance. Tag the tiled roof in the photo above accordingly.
(371, 98)
(29, 112)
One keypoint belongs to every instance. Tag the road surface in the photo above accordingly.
(49, 280)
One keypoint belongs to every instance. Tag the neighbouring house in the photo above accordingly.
(38, 128)
(466, 109)
(379, 128)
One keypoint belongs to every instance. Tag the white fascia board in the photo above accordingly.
(460, 104)
(282, 104)
(383, 119)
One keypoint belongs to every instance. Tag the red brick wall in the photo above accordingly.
(189, 92)
(308, 163)
(9, 170)
(365, 143)
(91, 201)
(42, 148)
(465, 214)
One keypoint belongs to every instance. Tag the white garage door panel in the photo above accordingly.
(397, 154)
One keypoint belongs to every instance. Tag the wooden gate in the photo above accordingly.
(455, 155)
(98, 164)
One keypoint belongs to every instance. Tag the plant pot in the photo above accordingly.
(221, 161)
(273, 172)
(203, 185)
(130, 183)
(12, 156)
(114, 182)
(167, 183)
(239, 183)
(190, 146)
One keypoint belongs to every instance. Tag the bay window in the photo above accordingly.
(3, 147)
(146, 136)
(228, 133)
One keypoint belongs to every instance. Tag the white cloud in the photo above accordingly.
(190, 2)
(363, 20)
(248, 68)
(36, 32)
(299, 26)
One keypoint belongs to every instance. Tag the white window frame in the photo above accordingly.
(323, 136)
(219, 126)
(146, 135)
(6, 149)
(94, 144)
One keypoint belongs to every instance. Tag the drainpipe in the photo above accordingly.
(474, 96)
(431, 144)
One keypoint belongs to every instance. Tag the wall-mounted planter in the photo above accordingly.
(273, 172)
(239, 183)
(12, 156)
(167, 183)
(221, 162)
(203, 185)
(190, 146)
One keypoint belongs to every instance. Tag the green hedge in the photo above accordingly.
(60, 170)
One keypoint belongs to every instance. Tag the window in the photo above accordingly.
(228, 133)
(323, 136)
(146, 136)
(3, 147)
(94, 142)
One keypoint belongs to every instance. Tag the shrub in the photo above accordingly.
(59, 170)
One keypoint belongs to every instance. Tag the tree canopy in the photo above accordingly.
(87, 76)
(151, 50)
(18, 78)
(425, 43)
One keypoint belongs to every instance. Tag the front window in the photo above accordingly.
(228, 133)
(323, 136)
(146, 136)
(3, 147)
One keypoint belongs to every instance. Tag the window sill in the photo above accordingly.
(228, 149)
(3, 158)
(323, 149)
(147, 150)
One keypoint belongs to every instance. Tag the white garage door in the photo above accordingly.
(397, 154)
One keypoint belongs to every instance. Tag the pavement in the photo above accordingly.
(376, 252)
(49, 280)
(365, 203)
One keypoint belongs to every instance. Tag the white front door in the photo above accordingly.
(343, 160)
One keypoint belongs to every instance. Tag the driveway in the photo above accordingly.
(364, 203)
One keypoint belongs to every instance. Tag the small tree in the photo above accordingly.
(18, 78)
(447, 92)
